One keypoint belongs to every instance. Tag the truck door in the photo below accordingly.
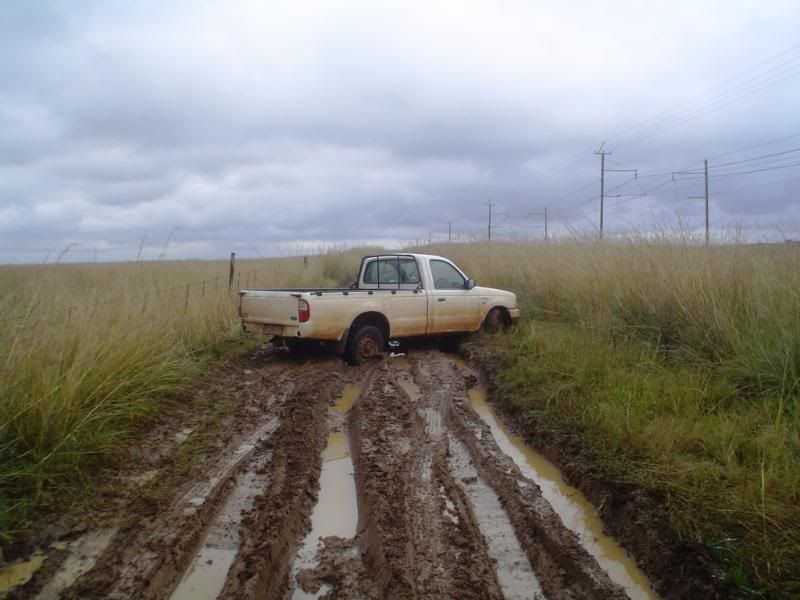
(453, 307)
(408, 312)
(397, 282)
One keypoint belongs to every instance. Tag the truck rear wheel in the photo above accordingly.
(364, 344)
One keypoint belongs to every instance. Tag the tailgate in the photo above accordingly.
(269, 308)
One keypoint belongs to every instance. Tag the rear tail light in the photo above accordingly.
(303, 310)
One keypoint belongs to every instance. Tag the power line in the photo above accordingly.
(646, 123)
(726, 93)
(789, 166)
(723, 98)
(738, 162)
(761, 145)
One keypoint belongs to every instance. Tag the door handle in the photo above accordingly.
(442, 299)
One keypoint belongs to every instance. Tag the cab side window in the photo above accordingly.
(446, 276)
(409, 273)
(392, 273)
(387, 272)
(371, 272)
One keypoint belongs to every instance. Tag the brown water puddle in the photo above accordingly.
(19, 573)
(205, 577)
(349, 395)
(83, 554)
(576, 512)
(514, 573)
(336, 511)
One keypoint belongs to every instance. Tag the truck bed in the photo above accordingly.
(321, 291)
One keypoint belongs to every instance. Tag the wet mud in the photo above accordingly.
(389, 480)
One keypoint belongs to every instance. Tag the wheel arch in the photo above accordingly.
(503, 311)
(371, 317)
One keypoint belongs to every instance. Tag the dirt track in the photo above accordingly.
(417, 499)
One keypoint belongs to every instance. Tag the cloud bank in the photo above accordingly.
(258, 127)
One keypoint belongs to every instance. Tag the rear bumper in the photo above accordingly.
(268, 329)
(514, 314)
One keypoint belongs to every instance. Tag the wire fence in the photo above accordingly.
(202, 288)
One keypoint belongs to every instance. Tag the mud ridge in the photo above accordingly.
(147, 561)
(563, 566)
(274, 528)
(418, 537)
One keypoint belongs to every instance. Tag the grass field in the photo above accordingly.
(678, 365)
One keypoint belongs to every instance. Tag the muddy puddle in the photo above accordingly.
(514, 572)
(206, 575)
(336, 511)
(83, 554)
(576, 512)
(19, 573)
(349, 395)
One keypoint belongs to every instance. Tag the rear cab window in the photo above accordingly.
(391, 272)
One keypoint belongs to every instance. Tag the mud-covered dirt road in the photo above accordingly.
(390, 480)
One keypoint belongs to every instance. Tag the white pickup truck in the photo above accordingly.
(396, 296)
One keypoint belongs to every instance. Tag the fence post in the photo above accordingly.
(186, 301)
(144, 304)
(305, 262)
(238, 281)
(230, 275)
(203, 291)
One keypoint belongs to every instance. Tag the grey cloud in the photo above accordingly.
(265, 125)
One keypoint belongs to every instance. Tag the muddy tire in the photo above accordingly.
(365, 344)
(495, 321)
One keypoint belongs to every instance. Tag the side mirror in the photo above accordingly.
(470, 284)
(354, 285)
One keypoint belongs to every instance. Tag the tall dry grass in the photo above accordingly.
(99, 347)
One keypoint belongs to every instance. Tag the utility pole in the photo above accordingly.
(704, 197)
(603, 172)
(539, 214)
(490, 205)
(602, 154)
(492, 213)
(705, 168)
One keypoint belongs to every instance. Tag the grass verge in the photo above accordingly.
(725, 464)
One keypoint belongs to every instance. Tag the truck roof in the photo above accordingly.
(406, 254)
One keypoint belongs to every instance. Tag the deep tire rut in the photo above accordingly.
(442, 512)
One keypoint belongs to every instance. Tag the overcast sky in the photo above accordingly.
(273, 128)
